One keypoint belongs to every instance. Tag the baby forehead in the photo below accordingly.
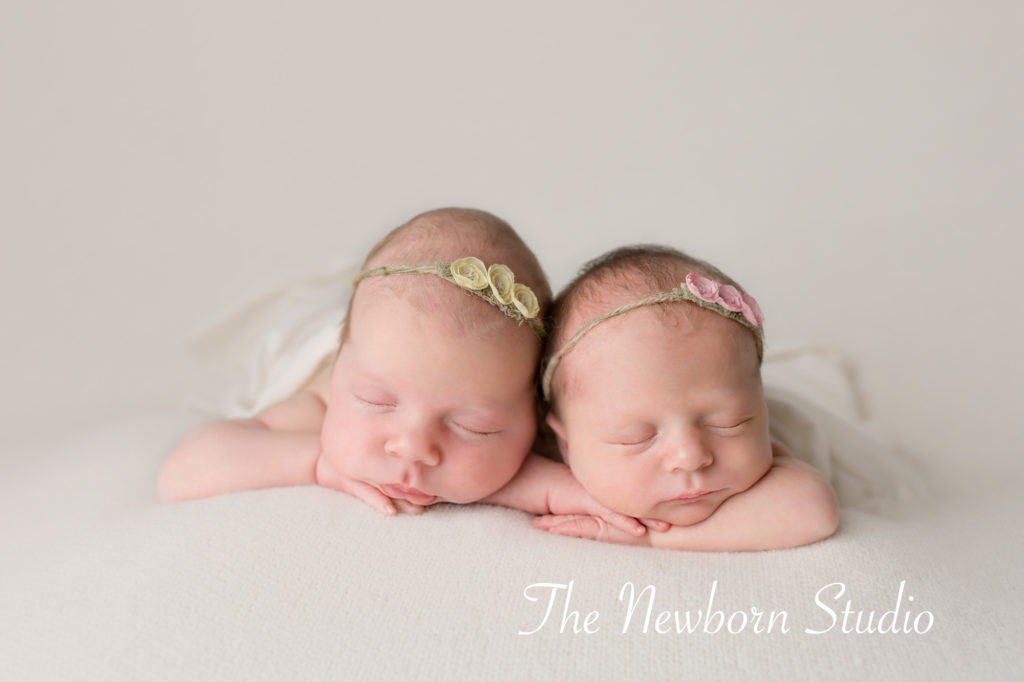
(668, 317)
(425, 298)
(420, 290)
(679, 334)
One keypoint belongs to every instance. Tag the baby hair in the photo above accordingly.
(626, 274)
(447, 234)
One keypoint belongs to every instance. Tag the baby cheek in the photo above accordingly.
(345, 444)
(498, 463)
(760, 449)
(608, 487)
(472, 473)
(330, 432)
(484, 473)
(753, 461)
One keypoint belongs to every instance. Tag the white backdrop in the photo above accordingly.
(858, 166)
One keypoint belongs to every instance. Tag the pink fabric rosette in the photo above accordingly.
(702, 287)
(729, 298)
(725, 295)
(752, 311)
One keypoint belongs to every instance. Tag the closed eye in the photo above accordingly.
(728, 428)
(378, 404)
(474, 432)
(633, 440)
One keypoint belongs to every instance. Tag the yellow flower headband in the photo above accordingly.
(724, 299)
(495, 284)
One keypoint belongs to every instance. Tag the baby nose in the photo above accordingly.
(414, 444)
(688, 453)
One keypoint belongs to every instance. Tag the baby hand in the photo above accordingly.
(590, 527)
(328, 476)
(570, 498)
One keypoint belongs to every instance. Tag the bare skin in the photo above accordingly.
(666, 420)
(411, 412)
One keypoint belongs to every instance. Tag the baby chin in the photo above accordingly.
(687, 510)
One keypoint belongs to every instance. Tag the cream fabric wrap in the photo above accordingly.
(263, 352)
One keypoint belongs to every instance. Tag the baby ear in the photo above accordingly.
(556, 425)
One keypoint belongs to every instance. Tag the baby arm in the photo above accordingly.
(545, 487)
(791, 505)
(278, 447)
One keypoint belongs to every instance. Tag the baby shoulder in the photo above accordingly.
(304, 411)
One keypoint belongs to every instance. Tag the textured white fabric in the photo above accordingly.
(864, 466)
(305, 583)
(263, 352)
(102, 583)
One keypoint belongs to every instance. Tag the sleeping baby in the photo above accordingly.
(430, 397)
(654, 383)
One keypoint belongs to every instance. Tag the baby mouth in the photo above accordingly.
(687, 498)
(401, 492)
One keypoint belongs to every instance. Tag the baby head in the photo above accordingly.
(432, 392)
(654, 383)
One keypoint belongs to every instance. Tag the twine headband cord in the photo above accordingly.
(495, 284)
(723, 299)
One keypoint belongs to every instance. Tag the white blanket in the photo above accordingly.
(100, 582)
(306, 583)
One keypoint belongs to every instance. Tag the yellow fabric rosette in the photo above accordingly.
(502, 282)
(470, 273)
(525, 301)
(495, 284)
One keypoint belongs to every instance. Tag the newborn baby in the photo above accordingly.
(430, 398)
(653, 378)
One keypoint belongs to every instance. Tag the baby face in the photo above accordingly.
(424, 412)
(664, 414)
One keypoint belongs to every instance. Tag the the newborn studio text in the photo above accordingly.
(559, 608)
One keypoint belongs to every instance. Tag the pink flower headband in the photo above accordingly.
(724, 299)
